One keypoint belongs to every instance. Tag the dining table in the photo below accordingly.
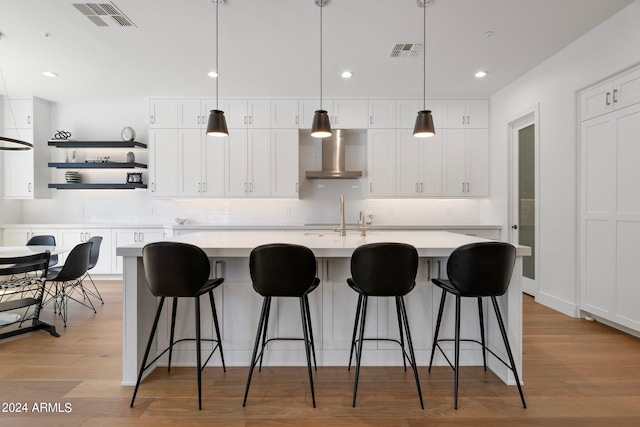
(6, 275)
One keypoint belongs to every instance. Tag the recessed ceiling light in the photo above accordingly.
(213, 74)
(49, 74)
(481, 74)
(347, 74)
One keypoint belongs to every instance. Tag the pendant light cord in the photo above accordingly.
(321, 7)
(424, 57)
(217, 69)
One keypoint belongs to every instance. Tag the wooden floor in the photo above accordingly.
(577, 373)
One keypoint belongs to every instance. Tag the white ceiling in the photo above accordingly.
(270, 48)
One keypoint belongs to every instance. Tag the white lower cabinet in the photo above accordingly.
(70, 237)
(20, 236)
(130, 236)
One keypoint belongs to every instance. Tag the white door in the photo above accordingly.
(524, 217)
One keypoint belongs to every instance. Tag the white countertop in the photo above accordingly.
(323, 244)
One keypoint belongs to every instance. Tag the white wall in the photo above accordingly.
(606, 50)
(318, 198)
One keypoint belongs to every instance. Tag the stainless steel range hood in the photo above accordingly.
(333, 159)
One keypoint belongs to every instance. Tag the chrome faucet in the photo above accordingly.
(343, 228)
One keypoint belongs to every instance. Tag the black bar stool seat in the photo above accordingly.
(283, 270)
(383, 270)
(477, 270)
(179, 270)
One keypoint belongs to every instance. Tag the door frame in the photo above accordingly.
(527, 117)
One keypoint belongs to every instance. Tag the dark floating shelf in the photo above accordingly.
(60, 143)
(98, 165)
(97, 186)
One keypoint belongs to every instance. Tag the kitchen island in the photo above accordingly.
(332, 305)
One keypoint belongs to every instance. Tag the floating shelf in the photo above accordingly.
(96, 144)
(97, 186)
(98, 165)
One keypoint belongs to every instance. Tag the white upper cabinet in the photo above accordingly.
(465, 113)
(284, 163)
(465, 162)
(611, 95)
(242, 113)
(381, 152)
(382, 113)
(350, 114)
(248, 163)
(308, 107)
(407, 111)
(418, 165)
(163, 162)
(163, 113)
(284, 114)
(200, 164)
(25, 173)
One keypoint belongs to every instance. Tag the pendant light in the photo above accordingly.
(321, 127)
(424, 122)
(12, 144)
(217, 125)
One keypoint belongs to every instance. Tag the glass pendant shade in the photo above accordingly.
(10, 144)
(217, 125)
(321, 127)
(424, 125)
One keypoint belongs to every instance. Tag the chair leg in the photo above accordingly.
(484, 348)
(146, 351)
(456, 368)
(264, 333)
(265, 304)
(363, 317)
(304, 314)
(308, 320)
(173, 329)
(355, 330)
(198, 352)
(95, 288)
(217, 326)
(508, 348)
(412, 360)
(443, 299)
(404, 361)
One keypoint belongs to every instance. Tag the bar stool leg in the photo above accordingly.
(456, 368)
(412, 360)
(308, 320)
(264, 332)
(146, 351)
(217, 326)
(508, 348)
(198, 352)
(363, 318)
(355, 330)
(304, 315)
(484, 348)
(443, 299)
(173, 329)
(265, 304)
(404, 361)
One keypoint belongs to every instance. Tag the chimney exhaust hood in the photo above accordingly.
(333, 159)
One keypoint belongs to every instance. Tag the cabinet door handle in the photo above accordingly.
(245, 187)
(250, 120)
(327, 271)
(467, 187)
(141, 237)
(153, 120)
(370, 120)
(428, 269)
(463, 120)
(468, 120)
(615, 92)
(370, 187)
(251, 187)
(135, 237)
(463, 187)
(439, 269)
(296, 119)
(29, 120)
(29, 188)
(422, 187)
(296, 187)
(153, 187)
(245, 120)
(204, 187)
(606, 99)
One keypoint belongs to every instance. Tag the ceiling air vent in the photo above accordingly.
(104, 14)
(406, 50)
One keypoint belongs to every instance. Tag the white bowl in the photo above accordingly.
(181, 220)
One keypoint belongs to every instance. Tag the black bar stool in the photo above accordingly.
(477, 270)
(179, 270)
(383, 270)
(283, 270)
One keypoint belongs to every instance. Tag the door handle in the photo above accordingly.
(514, 226)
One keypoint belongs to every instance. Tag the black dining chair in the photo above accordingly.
(179, 270)
(44, 240)
(477, 270)
(66, 281)
(283, 270)
(93, 260)
(383, 270)
(23, 291)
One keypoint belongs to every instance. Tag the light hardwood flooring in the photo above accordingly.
(577, 373)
